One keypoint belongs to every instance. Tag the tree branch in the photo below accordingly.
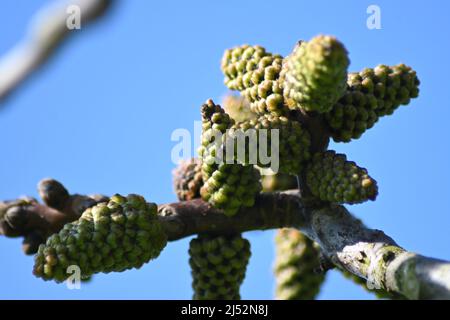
(367, 253)
(46, 33)
(344, 240)
(271, 211)
(372, 255)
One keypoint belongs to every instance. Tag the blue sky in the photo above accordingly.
(99, 118)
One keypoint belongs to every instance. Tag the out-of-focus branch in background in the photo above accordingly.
(47, 31)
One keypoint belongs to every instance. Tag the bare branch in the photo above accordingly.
(271, 211)
(46, 33)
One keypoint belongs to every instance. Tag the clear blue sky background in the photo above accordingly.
(99, 118)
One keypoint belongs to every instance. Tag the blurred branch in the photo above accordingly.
(46, 33)
(345, 241)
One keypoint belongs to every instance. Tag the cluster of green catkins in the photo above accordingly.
(297, 266)
(218, 265)
(230, 186)
(330, 177)
(305, 95)
(117, 235)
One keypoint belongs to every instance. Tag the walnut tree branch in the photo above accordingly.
(344, 240)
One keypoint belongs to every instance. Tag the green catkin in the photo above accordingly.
(238, 108)
(332, 178)
(296, 266)
(255, 72)
(117, 235)
(371, 94)
(227, 186)
(218, 266)
(293, 141)
(314, 75)
(187, 179)
(215, 123)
